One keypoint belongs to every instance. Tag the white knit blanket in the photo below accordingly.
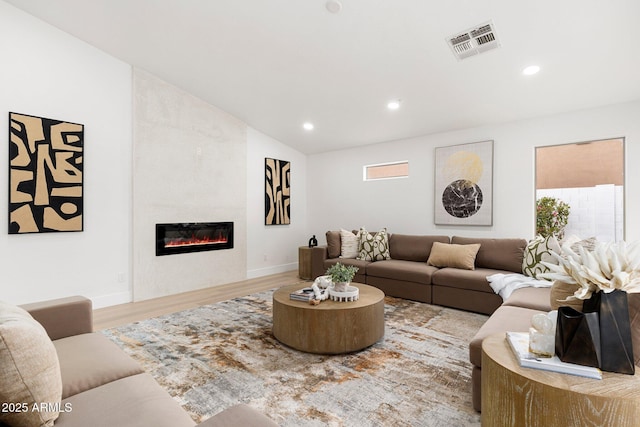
(505, 284)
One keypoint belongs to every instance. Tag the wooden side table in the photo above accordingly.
(515, 396)
(304, 262)
(330, 327)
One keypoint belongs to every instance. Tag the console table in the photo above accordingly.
(512, 395)
(330, 327)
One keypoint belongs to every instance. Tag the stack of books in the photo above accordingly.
(304, 294)
(519, 342)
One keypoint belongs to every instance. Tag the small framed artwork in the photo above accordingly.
(277, 192)
(46, 158)
(464, 184)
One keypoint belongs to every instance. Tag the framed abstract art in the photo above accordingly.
(45, 175)
(277, 192)
(464, 184)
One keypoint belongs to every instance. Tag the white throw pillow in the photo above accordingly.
(348, 244)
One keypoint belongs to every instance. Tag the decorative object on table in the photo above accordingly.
(45, 175)
(578, 337)
(615, 330)
(277, 192)
(321, 287)
(304, 294)
(350, 293)
(542, 334)
(552, 216)
(341, 275)
(604, 276)
(463, 184)
(313, 242)
(519, 343)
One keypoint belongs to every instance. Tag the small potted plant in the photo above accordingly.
(341, 275)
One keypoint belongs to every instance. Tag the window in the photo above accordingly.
(386, 171)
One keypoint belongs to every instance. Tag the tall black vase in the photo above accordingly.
(615, 331)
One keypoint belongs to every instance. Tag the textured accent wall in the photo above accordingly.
(189, 165)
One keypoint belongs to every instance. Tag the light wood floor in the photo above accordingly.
(122, 314)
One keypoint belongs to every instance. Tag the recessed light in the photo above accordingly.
(531, 70)
(333, 6)
(308, 126)
(393, 105)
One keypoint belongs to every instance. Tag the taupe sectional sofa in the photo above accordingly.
(101, 385)
(407, 275)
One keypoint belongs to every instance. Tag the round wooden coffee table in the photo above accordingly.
(516, 396)
(330, 327)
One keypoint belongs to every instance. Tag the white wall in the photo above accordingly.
(274, 248)
(190, 165)
(48, 73)
(338, 197)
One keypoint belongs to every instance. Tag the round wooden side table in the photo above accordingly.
(330, 327)
(516, 396)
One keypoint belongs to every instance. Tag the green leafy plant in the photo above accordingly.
(552, 216)
(341, 273)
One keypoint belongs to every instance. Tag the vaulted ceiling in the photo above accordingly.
(276, 64)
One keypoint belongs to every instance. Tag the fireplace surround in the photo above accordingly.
(185, 237)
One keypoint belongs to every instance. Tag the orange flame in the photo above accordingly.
(195, 241)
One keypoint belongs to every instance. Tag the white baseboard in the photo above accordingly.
(111, 299)
(259, 272)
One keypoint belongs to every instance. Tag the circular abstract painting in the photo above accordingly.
(462, 198)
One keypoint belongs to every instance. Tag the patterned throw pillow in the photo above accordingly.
(373, 247)
(539, 249)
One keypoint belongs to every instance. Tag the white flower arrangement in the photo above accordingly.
(609, 266)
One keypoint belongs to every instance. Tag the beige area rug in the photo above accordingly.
(212, 357)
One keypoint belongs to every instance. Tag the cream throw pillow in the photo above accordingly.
(453, 255)
(30, 373)
(348, 244)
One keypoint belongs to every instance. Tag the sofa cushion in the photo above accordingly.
(505, 318)
(497, 254)
(91, 360)
(373, 247)
(409, 271)
(452, 255)
(333, 244)
(475, 280)
(533, 298)
(413, 248)
(136, 401)
(348, 244)
(30, 372)
(538, 250)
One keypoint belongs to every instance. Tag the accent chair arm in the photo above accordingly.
(63, 317)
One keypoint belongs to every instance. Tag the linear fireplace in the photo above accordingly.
(180, 238)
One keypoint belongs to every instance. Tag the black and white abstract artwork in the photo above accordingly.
(463, 184)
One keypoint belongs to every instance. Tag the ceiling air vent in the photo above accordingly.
(473, 41)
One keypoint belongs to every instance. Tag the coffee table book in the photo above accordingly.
(519, 343)
(304, 294)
